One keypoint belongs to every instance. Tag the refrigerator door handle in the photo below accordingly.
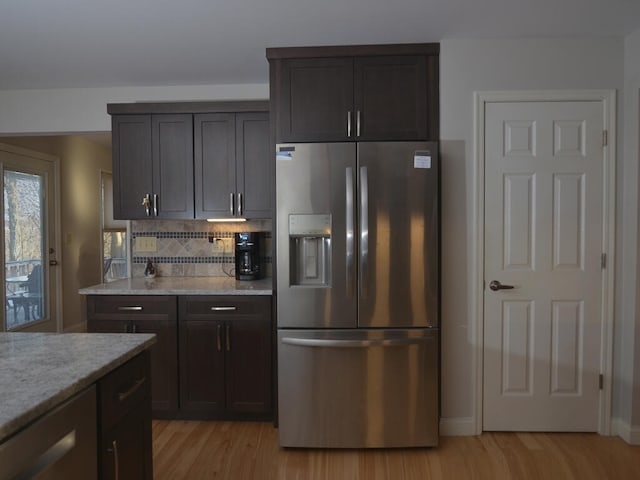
(349, 231)
(320, 342)
(364, 230)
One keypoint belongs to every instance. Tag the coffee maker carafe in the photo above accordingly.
(249, 261)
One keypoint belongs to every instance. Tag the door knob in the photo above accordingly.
(495, 285)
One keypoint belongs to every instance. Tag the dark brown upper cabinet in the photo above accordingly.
(152, 166)
(191, 160)
(232, 165)
(365, 93)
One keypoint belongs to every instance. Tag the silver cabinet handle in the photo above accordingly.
(146, 203)
(134, 388)
(132, 308)
(349, 228)
(321, 342)
(364, 230)
(116, 462)
(218, 339)
(134, 328)
(231, 203)
(240, 207)
(357, 123)
(155, 204)
(227, 337)
(54, 453)
(224, 309)
(348, 123)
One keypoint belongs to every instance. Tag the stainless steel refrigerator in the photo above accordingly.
(357, 294)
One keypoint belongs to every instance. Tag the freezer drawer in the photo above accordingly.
(358, 388)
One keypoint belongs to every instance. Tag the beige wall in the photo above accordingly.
(80, 164)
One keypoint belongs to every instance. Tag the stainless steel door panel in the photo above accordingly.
(358, 388)
(313, 179)
(398, 218)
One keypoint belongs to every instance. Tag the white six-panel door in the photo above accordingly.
(543, 236)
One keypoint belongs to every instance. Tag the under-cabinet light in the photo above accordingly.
(226, 219)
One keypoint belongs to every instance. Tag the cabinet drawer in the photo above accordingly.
(123, 389)
(129, 305)
(224, 305)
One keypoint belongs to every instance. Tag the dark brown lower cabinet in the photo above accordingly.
(145, 314)
(225, 357)
(124, 436)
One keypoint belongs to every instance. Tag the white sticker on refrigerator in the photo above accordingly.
(422, 161)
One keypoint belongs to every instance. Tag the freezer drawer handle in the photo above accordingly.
(318, 342)
(130, 308)
(223, 309)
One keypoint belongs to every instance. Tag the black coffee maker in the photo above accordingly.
(249, 258)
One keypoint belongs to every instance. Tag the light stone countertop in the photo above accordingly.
(39, 371)
(181, 286)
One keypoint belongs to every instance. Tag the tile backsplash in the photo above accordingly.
(183, 248)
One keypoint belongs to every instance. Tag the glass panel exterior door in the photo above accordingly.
(24, 247)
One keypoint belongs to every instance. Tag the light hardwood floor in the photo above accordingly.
(249, 450)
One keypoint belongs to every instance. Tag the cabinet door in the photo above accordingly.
(248, 363)
(254, 165)
(132, 166)
(391, 97)
(314, 99)
(172, 155)
(201, 368)
(215, 165)
(144, 314)
(126, 448)
(164, 365)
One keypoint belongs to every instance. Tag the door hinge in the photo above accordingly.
(605, 138)
(603, 261)
(601, 381)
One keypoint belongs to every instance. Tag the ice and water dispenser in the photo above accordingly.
(310, 250)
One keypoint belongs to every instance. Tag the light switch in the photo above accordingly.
(146, 244)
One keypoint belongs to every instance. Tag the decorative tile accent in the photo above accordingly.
(183, 247)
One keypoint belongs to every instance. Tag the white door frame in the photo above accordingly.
(56, 218)
(608, 99)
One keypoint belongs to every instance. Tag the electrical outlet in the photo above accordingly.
(146, 244)
(221, 246)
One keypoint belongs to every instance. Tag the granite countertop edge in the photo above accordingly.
(181, 286)
(32, 413)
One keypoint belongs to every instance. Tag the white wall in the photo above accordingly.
(627, 358)
(78, 110)
(489, 65)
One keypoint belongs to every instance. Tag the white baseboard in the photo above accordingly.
(458, 427)
(629, 433)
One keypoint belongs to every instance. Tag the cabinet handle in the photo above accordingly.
(240, 207)
(357, 123)
(131, 308)
(348, 123)
(155, 204)
(116, 463)
(223, 309)
(218, 339)
(227, 338)
(146, 203)
(231, 203)
(126, 327)
(124, 395)
(134, 328)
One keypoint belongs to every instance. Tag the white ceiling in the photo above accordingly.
(84, 43)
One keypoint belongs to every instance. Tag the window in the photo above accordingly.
(115, 235)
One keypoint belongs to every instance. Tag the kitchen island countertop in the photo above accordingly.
(181, 286)
(39, 371)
